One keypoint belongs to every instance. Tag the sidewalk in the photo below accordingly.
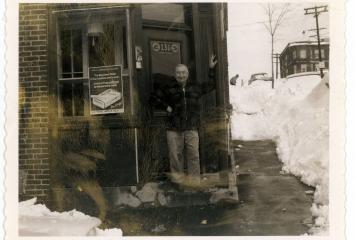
(271, 203)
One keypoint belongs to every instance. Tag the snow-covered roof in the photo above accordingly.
(305, 43)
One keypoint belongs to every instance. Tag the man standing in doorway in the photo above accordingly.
(181, 101)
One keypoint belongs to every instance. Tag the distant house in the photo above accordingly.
(298, 57)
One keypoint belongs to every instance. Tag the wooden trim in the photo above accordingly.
(131, 65)
(196, 39)
(53, 146)
(169, 26)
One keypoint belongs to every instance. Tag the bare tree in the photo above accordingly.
(275, 16)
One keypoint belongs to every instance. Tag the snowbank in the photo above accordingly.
(38, 220)
(295, 116)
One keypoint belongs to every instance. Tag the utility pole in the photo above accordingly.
(316, 11)
(277, 57)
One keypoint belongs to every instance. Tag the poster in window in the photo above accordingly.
(106, 90)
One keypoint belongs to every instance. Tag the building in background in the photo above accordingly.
(298, 57)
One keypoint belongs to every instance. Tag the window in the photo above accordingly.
(164, 12)
(294, 54)
(315, 67)
(101, 47)
(295, 69)
(72, 99)
(316, 53)
(91, 41)
(71, 50)
(303, 53)
(303, 67)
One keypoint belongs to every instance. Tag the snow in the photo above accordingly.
(148, 192)
(294, 115)
(38, 220)
(305, 43)
(123, 197)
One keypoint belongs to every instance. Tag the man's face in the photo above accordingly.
(181, 74)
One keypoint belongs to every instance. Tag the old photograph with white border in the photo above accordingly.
(185, 119)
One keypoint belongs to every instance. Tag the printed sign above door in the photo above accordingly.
(106, 90)
(164, 56)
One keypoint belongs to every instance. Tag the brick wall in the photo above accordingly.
(33, 102)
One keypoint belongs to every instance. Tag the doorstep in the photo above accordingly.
(168, 194)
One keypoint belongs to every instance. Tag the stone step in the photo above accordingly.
(187, 198)
(254, 146)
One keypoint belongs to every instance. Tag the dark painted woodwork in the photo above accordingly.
(200, 38)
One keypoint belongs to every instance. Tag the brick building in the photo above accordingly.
(34, 165)
(61, 48)
(298, 57)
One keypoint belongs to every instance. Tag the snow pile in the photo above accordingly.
(295, 116)
(259, 109)
(38, 220)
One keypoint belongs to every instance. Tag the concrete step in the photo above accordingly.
(187, 198)
(254, 144)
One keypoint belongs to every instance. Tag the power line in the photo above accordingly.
(315, 11)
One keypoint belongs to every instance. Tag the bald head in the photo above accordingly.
(181, 74)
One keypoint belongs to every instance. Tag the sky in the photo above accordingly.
(249, 43)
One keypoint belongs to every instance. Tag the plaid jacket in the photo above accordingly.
(184, 102)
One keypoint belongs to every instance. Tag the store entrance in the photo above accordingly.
(163, 50)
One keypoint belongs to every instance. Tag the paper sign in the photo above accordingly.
(106, 90)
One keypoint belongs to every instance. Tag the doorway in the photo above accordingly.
(163, 50)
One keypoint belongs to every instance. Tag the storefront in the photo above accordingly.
(102, 60)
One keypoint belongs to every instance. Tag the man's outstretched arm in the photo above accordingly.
(211, 83)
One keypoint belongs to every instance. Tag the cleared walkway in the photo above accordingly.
(270, 204)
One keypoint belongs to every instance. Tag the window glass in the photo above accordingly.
(303, 67)
(165, 12)
(77, 52)
(78, 92)
(294, 54)
(72, 99)
(65, 44)
(71, 53)
(316, 53)
(303, 53)
(101, 47)
(66, 99)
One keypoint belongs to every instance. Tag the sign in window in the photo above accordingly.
(106, 90)
(165, 55)
(94, 46)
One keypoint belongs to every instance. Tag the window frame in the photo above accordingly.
(303, 53)
(78, 20)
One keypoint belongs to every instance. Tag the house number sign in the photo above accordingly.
(165, 47)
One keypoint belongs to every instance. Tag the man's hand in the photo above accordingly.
(169, 109)
(213, 61)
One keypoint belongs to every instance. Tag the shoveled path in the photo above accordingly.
(270, 204)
